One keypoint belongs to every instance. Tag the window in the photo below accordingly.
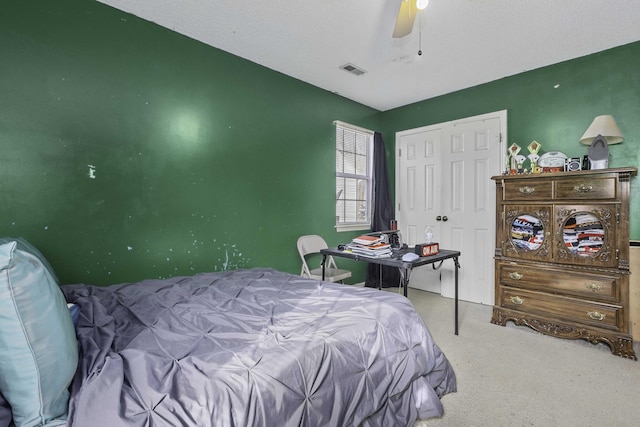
(354, 177)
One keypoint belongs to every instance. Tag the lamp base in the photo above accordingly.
(599, 153)
(599, 164)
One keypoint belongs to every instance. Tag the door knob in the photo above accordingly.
(438, 218)
(444, 218)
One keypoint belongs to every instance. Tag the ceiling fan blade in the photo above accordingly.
(406, 16)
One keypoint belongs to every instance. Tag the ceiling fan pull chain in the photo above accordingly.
(420, 38)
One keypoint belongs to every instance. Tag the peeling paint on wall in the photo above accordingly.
(233, 259)
(226, 261)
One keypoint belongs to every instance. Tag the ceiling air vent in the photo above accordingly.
(353, 69)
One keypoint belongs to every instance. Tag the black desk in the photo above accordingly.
(405, 267)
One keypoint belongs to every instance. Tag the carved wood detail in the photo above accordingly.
(620, 346)
(605, 218)
(544, 216)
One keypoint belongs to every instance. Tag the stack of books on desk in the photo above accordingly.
(370, 246)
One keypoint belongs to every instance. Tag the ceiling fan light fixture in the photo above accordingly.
(406, 16)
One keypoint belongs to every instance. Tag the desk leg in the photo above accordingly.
(324, 259)
(405, 273)
(455, 261)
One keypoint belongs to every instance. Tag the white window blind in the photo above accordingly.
(354, 180)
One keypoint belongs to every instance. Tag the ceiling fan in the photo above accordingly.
(406, 15)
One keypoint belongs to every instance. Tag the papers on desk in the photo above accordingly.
(370, 246)
(366, 240)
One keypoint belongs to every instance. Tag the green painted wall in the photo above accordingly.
(604, 83)
(128, 151)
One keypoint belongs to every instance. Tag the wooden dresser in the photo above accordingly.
(562, 255)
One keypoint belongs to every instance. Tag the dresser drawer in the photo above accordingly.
(562, 308)
(586, 189)
(599, 287)
(530, 189)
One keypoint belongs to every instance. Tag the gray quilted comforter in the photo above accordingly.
(252, 348)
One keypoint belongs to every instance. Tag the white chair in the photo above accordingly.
(312, 244)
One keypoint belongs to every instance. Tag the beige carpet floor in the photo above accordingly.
(514, 376)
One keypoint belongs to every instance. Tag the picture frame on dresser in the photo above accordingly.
(562, 255)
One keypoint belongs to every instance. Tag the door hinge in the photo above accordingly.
(399, 152)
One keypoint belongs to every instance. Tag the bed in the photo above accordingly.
(255, 347)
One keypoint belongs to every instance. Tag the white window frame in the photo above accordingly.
(343, 129)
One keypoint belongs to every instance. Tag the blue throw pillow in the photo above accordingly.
(38, 346)
(74, 311)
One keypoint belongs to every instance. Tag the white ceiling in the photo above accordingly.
(464, 42)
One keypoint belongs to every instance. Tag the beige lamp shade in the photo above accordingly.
(605, 126)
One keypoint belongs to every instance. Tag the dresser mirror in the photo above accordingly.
(583, 234)
(527, 232)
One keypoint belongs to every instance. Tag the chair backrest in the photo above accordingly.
(311, 244)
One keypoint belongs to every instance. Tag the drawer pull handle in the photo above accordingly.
(517, 300)
(594, 287)
(596, 315)
(527, 190)
(582, 188)
(515, 275)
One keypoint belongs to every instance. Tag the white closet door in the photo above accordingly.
(418, 194)
(443, 179)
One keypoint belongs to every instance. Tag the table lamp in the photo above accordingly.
(602, 132)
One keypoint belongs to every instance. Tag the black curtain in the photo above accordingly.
(383, 213)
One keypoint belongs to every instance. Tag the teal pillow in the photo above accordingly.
(23, 245)
(38, 346)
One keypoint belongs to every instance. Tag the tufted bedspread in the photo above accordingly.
(252, 347)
